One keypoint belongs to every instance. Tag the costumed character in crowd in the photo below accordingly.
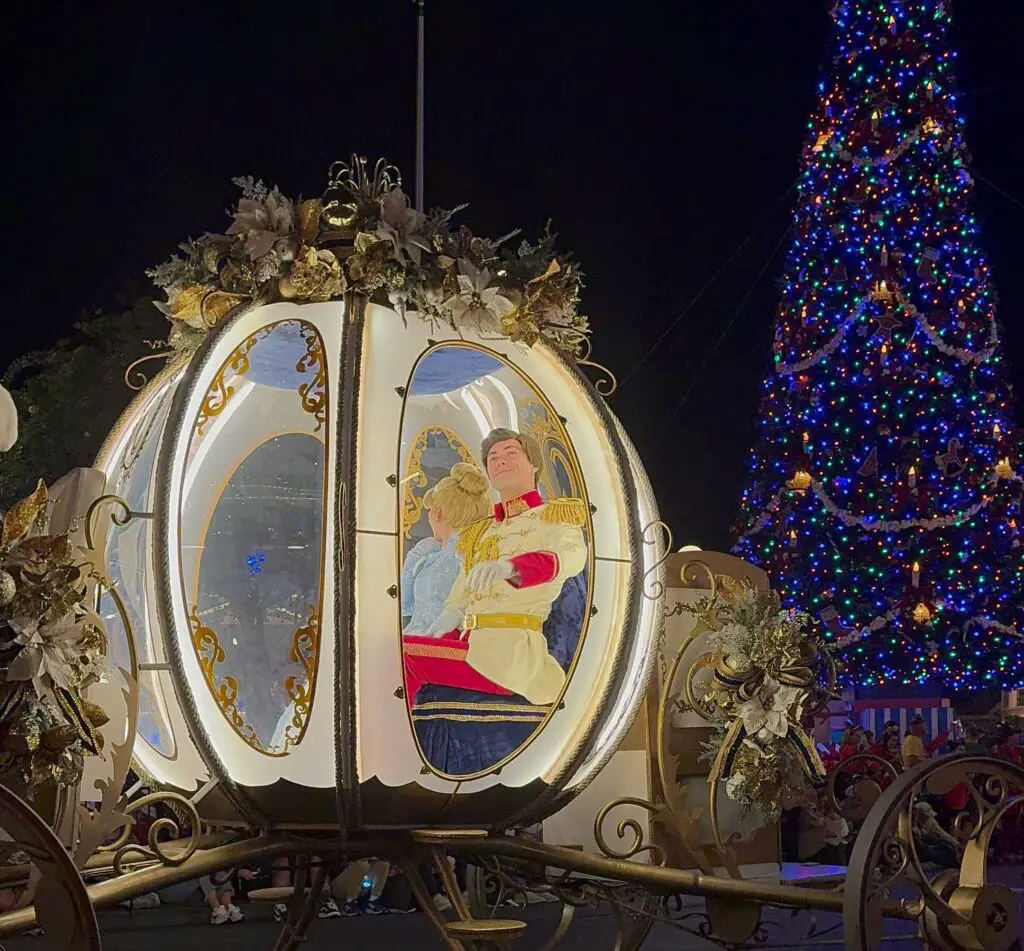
(432, 565)
(490, 635)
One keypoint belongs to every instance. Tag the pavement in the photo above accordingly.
(177, 927)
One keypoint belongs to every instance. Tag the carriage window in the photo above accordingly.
(252, 533)
(495, 553)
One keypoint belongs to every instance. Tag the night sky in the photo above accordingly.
(657, 136)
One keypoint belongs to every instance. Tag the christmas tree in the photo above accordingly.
(885, 489)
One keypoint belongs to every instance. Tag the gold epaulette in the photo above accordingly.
(565, 512)
(471, 545)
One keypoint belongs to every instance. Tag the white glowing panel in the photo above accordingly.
(248, 501)
(642, 648)
(163, 746)
(428, 412)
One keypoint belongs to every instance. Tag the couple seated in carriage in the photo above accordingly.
(494, 604)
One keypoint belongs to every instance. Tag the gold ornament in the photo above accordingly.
(309, 220)
(921, 613)
(800, 482)
(316, 275)
(1004, 470)
(201, 306)
(24, 514)
(96, 714)
(8, 588)
(59, 737)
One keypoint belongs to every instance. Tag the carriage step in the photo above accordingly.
(498, 931)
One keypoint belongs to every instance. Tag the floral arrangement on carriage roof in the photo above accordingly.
(364, 235)
(766, 678)
(52, 647)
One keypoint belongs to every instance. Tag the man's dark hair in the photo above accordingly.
(529, 445)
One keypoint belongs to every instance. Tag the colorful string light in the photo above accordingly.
(885, 489)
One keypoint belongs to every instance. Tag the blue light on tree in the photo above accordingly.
(885, 488)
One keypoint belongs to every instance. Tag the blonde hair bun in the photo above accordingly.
(470, 479)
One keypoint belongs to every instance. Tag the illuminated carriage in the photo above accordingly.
(293, 679)
(286, 467)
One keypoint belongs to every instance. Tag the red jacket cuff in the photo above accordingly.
(533, 568)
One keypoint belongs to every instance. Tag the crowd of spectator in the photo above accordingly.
(819, 833)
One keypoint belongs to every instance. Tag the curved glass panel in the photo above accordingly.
(497, 565)
(127, 554)
(252, 530)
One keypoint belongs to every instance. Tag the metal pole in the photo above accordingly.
(419, 104)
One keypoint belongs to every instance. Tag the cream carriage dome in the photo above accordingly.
(393, 546)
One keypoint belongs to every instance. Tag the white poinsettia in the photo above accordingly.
(8, 421)
(267, 225)
(766, 714)
(478, 304)
(48, 652)
(399, 223)
(734, 786)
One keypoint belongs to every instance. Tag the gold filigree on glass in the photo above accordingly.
(222, 388)
(305, 651)
(415, 478)
(224, 688)
(313, 393)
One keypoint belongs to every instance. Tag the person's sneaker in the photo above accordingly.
(219, 916)
(235, 913)
(328, 909)
(350, 909)
(280, 911)
(144, 902)
(376, 907)
(441, 902)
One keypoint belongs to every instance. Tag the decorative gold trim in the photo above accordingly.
(588, 531)
(218, 393)
(415, 477)
(209, 653)
(314, 393)
(140, 380)
(605, 386)
(305, 651)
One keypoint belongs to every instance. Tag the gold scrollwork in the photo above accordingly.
(653, 590)
(637, 845)
(415, 478)
(209, 653)
(139, 380)
(220, 391)
(127, 852)
(956, 910)
(608, 384)
(314, 392)
(305, 650)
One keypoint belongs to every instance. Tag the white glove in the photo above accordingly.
(489, 573)
(450, 620)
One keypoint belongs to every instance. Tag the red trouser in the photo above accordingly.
(442, 661)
